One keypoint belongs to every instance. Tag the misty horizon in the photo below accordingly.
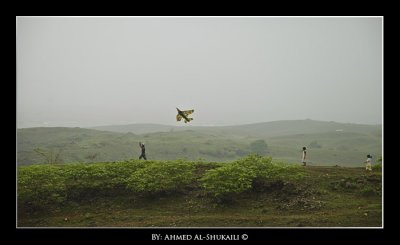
(75, 124)
(87, 72)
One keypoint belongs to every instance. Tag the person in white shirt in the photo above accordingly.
(369, 163)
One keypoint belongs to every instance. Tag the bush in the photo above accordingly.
(40, 186)
(228, 179)
(267, 170)
(107, 175)
(241, 175)
(88, 180)
(158, 177)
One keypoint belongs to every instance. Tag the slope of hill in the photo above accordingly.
(265, 129)
(329, 143)
(140, 128)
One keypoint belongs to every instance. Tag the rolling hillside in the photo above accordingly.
(266, 129)
(328, 143)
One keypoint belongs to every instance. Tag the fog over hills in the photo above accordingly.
(276, 128)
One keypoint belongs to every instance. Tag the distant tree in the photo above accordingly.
(314, 144)
(50, 156)
(259, 147)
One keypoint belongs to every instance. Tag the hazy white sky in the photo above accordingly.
(230, 70)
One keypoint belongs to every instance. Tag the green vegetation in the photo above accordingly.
(43, 185)
(252, 191)
(86, 177)
(158, 177)
(240, 175)
(281, 140)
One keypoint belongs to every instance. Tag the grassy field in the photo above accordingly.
(285, 139)
(96, 196)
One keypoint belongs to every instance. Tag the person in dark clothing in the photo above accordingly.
(303, 158)
(143, 155)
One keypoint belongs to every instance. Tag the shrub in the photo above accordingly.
(88, 180)
(228, 179)
(267, 170)
(162, 177)
(241, 175)
(40, 186)
(107, 175)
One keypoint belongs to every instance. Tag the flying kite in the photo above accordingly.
(184, 115)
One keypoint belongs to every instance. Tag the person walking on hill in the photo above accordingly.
(143, 155)
(303, 158)
(368, 167)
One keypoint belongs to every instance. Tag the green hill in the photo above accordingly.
(250, 192)
(140, 128)
(328, 143)
(265, 129)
